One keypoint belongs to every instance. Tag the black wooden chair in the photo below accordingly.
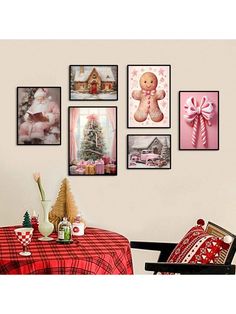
(223, 266)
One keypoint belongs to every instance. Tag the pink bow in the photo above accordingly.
(206, 109)
(92, 117)
(193, 113)
(148, 92)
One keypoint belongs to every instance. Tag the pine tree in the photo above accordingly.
(165, 152)
(25, 103)
(92, 146)
(26, 222)
(65, 205)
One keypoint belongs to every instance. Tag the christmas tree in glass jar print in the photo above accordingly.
(92, 141)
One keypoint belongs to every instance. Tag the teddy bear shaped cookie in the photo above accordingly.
(148, 97)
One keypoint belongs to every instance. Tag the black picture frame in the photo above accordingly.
(59, 126)
(199, 135)
(169, 95)
(116, 74)
(69, 141)
(155, 159)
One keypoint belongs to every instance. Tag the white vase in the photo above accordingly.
(45, 226)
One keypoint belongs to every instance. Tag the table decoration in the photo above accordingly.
(26, 222)
(34, 221)
(78, 226)
(64, 231)
(45, 226)
(24, 235)
(64, 206)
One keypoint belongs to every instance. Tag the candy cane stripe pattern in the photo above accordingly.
(203, 131)
(194, 113)
(194, 134)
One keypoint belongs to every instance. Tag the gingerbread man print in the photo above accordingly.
(148, 98)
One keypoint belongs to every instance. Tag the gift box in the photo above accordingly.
(82, 164)
(99, 164)
(91, 169)
(107, 169)
(112, 169)
(106, 159)
(80, 170)
(86, 170)
(73, 169)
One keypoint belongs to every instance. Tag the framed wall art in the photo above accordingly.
(148, 96)
(93, 82)
(199, 120)
(92, 141)
(39, 115)
(149, 151)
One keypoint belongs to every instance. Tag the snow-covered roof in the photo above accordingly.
(143, 141)
(104, 72)
(81, 77)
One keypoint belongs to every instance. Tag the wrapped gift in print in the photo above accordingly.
(199, 120)
(87, 169)
(99, 166)
(112, 169)
(107, 169)
(80, 170)
(82, 164)
(106, 159)
(92, 170)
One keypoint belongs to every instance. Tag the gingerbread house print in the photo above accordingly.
(94, 80)
(148, 143)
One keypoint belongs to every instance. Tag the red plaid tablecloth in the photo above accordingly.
(97, 252)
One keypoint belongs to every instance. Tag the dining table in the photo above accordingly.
(98, 251)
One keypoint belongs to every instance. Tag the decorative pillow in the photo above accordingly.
(197, 247)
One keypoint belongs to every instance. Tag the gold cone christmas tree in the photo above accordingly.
(65, 205)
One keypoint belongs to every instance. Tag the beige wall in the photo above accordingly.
(142, 205)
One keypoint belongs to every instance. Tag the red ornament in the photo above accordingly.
(34, 223)
(76, 229)
(200, 222)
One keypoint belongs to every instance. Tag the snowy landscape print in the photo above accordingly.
(93, 82)
(149, 151)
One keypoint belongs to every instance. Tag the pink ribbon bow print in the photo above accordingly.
(194, 113)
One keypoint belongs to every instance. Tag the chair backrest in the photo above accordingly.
(226, 256)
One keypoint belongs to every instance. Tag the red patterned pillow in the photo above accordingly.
(197, 246)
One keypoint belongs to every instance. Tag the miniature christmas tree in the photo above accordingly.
(92, 146)
(25, 103)
(26, 222)
(165, 152)
(65, 205)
